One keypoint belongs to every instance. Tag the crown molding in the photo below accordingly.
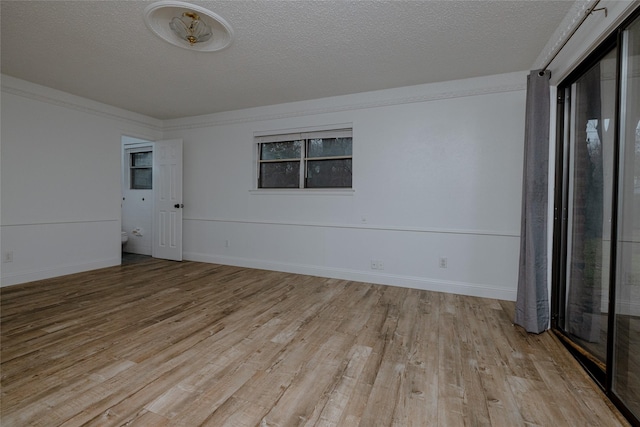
(24, 89)
(292, 110)
(512, 82)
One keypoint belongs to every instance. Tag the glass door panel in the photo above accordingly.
(596, 293)
(626, 361)
(591, 160)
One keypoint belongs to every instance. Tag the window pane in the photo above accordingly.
(141, 179)
(280, 150)
(626, 361)
(328, 147)
(142, 159)
(589, 228)
(280, 175)
(329, 173)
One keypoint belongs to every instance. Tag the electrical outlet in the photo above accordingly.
(443, 262)
(380, 265)
(8, 257)
(374, 264)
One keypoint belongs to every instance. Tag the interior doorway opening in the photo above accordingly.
(151, 206)
(137, 196)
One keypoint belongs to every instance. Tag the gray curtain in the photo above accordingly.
(532, 301)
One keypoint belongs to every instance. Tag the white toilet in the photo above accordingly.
(124, 237)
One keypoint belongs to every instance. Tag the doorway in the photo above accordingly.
(152, 197)
(596, 265)
(137, 195)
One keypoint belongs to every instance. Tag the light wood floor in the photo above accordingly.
(161, 343)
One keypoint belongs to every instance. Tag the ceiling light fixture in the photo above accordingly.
(188, 26)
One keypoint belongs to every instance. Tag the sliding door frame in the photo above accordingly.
(603, 375)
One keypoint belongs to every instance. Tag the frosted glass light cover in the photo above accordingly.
(190, 29)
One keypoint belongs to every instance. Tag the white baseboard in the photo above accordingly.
(30, 276)
(461, 288)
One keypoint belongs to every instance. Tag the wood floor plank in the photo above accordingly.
(450, 381)
(332, 412)
(161, 343)
(422, 365)
(501, 406)
(475, 400)
(391, 358)
(206, 406)
(369, 336)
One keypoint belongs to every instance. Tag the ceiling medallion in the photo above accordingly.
(187, 25)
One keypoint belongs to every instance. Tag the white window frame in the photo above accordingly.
(303, 136)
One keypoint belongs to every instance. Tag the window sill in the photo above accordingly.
(303, 191)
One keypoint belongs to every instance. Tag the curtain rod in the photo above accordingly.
(575, 29)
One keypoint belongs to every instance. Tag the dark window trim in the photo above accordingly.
(132, 167)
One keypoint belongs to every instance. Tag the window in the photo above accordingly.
(305, 160)
(141, 167)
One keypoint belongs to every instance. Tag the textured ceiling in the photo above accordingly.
(283, 50)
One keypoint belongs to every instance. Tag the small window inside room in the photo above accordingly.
(141, 170)
(306, 160)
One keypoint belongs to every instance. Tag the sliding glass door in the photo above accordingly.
(592, 105)
(597, 253)
(626, 337)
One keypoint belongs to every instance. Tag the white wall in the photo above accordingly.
(437, 172)
(60, 181)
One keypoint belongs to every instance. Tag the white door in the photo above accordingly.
(167, 190)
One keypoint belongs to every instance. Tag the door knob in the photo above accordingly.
(178, 205)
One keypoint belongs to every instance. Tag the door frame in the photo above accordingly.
(153, 146)
(599, 372)
(143, 144)
(603, 377)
